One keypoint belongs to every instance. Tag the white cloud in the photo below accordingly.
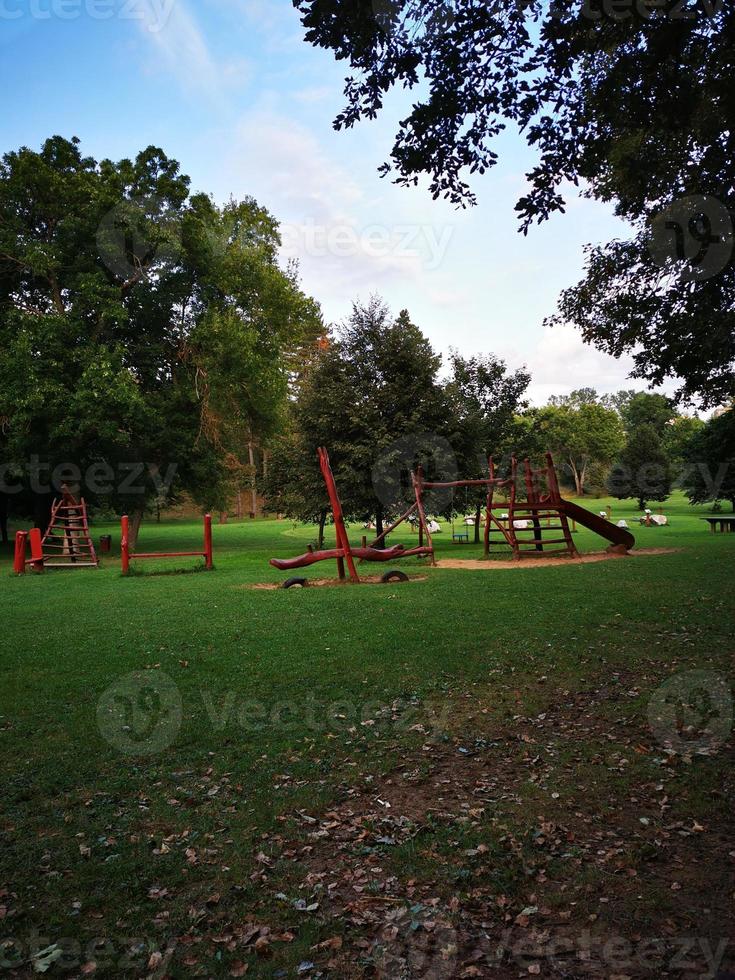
(178, 45)
(562, 362)
(346, 240)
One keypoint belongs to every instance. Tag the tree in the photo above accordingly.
(646, 408)
(581, 437)
(710, 459)
(144, 334)
(618, 399)
(484, 399)
(372, 397)
(576, 398)
(677, 437)
(633, 98)
(294, 485)
(644, 469)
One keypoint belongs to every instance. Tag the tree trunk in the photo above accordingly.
(42, 510)
(4, 518)
(578, 478)
(379, 526)
(478, 517)
(136, 519)
(641, 503)
(253, 487)
(320, 534)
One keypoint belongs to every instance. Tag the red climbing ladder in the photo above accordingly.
(67, 542)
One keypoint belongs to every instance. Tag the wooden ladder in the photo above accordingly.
(540, 507)
(67, 542)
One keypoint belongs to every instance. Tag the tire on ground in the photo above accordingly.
(394, 576)
(295, 583)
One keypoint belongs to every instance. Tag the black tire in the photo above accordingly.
(295, 583)
(394, 576)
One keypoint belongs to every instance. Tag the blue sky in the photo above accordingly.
(230, 89)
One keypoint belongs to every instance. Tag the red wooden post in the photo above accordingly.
(19, 562)
(208, 541)
(343, 542)
(418, 487)
(124, 548)
(36, 549)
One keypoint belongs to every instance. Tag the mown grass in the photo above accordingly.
(271, 683)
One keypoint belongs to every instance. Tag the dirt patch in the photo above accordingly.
(527, 850)
(474, 564)
(333, 582)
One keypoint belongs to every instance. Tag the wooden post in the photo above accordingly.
(489, 505)
(343, 542)
(208, 542)
(36, 550)
(124, 547)
(19, 562)
(418, 487)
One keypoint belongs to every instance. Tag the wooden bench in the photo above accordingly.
(726, 524)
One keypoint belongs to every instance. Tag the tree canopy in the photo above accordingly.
(143, 331)
(631, 100)
(710, 459)
(581, 436)
(644, 469)
(373, 398)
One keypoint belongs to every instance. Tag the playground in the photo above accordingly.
(284, 782)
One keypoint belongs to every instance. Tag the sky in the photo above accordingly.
(231, 90)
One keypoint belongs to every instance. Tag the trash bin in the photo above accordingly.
(105, 544)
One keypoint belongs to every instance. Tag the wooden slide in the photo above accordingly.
(621, 538)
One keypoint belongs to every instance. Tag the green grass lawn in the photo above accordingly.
(257, 707)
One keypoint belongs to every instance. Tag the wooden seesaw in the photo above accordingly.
(344, 553)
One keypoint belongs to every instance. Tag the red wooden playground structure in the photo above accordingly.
(66, 543)
(522, 522)
(126, 555)
(344, 553)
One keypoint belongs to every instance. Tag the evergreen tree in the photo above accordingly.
(710, 461)
(644, 469)
(373, 398)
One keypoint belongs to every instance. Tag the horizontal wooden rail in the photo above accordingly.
(126, 556)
